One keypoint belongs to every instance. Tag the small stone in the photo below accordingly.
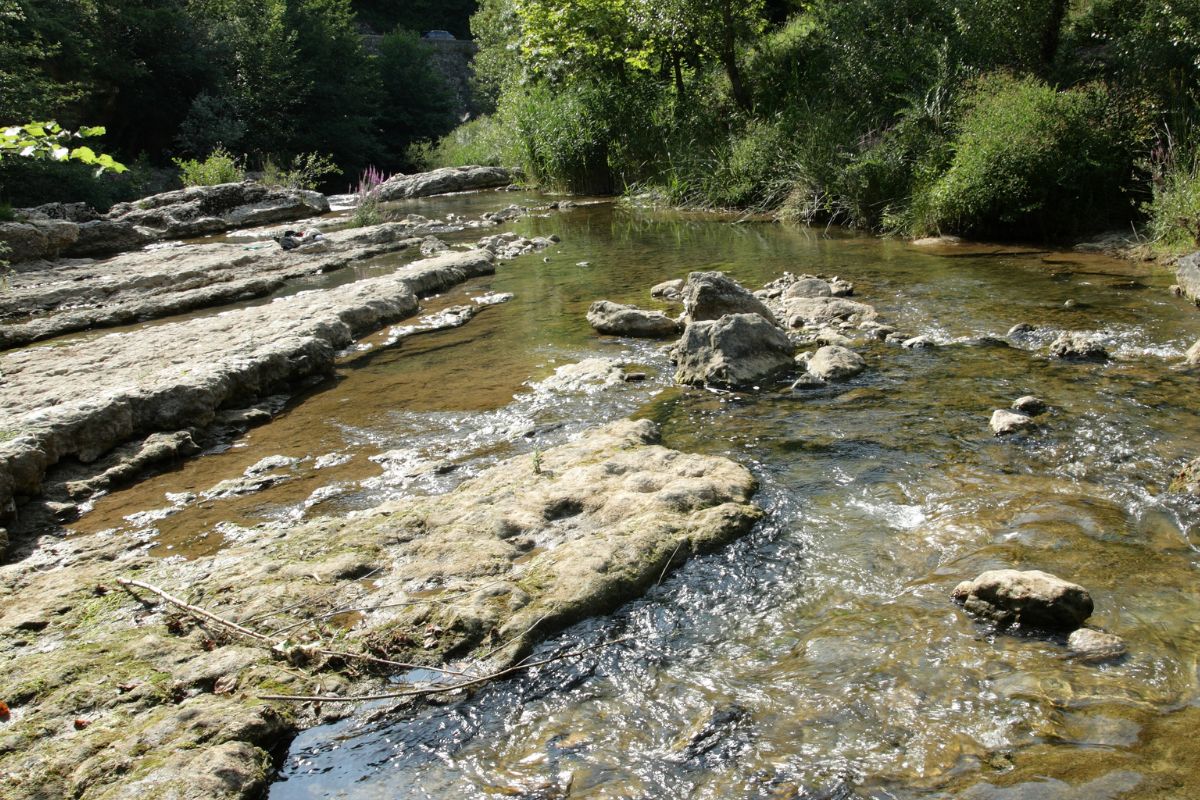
(1088, 644)
(1030, 598)
(835, 363)
(1192, 358)
(1020, 329)
(918, 342)
(1006, 422)
(1029, 405)
(807, 382)
(1077, 346)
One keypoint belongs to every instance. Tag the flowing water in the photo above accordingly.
(820, 656)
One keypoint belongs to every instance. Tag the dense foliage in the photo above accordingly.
(1044, 118)
(266, 80)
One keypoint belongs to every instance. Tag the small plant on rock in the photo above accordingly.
(366, 212)
(220, 167)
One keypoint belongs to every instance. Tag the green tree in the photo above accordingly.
(418, 102)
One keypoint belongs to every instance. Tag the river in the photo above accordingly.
(821, 656)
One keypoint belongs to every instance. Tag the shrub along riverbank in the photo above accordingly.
(1043, 120)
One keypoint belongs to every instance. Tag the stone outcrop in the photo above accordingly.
(444, 181)
(168, 708)
(712, 295)
(1187, 275)
(78, 295)
(1078, 346)
(202, 210)
(737, 350)
(1030, 599)
(36, 239)
(620, 320)
(176, 376)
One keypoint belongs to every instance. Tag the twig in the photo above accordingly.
(667, 565)
(440, 688)
(273, 643)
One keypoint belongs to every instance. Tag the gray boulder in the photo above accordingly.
(104, 237)
(1077, 346)
(1030, 599)
(668, 290)
(444, 181)
(1030, 405)
(1006, 422)
(201, 210)
(835, 363)
(816, 311)
(807, 286)
(618, 320)
(37, 239)
(1187, 273)
(735, 350)
(712, 295)
(1192, 358)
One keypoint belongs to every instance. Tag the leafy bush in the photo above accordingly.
(220, 167)
(1174, 212)
(1031, 161)
(307, 171)
(486, 141)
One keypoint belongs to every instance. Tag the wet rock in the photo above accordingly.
(918, 343)
(713, 739)
(985, 341)
(511, 245)
(620, 320)
(1093, 646)
(431, 245)
(737, 350)
(1030, 599)
(1005, 422)
(808, 286)
(494, 298)
(668, 290)
(712, 295)
(506, 214)
(1111, 786)
(443, 181)
(1078, 346)
(1030, 405)
(1020, 329)
(1187, 480)
(1187, 274)
(834, 363)
(587, 375)
(84, 398)
(126, 463)
(1192, 357)
(201, 210)
(936, 241)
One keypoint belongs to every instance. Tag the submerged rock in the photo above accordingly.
(1078, 346)
(737, 350)
(1005, 422)
(1033, 406)
(668, 290)
(1187, 480)
(712, 295)
(1088, 644)
(443, 181)
(1030, 599)
(619, 320)
(835, 363)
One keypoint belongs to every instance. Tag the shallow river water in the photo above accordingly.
(821, 656)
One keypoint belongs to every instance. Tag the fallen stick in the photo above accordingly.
(443, 687)
(273, 643)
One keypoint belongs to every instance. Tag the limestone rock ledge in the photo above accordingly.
(510, 556)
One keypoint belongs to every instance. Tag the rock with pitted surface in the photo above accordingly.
(799, 312)
(712, 295)
(1093, 646)
(835, 363)
(1030, 599)
(737, 350)
(201, 210)
(1078, 346)
(1187, 274)
(1005, 422)
(37, 239)
(671, 290)
(444, 181)
(619, 320)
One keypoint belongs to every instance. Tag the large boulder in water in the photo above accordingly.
(1187, 275)
(735, 350)
(1031, 599)
(618, 320)
(201, 210)
(835, 363)
(712, 295)
(443, 181)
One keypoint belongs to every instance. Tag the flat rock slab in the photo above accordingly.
(444, 181)
(505, 559)
(83, 399)
(621, 320)
(69, 296)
